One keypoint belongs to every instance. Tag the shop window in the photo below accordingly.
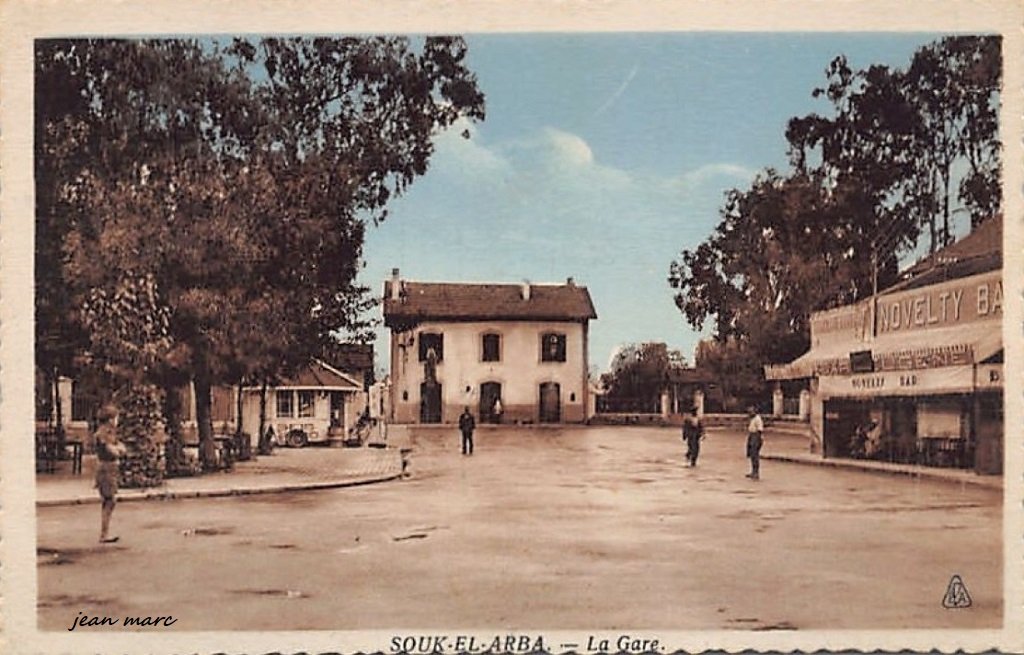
(285, 404)
(431, 342)
(305, 404)
(491, 344)
(552, 347)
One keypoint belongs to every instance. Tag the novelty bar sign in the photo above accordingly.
(952, 379)
(953, 303)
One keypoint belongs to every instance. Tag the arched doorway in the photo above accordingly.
(489, 393)
(550, 402)
(430, 402)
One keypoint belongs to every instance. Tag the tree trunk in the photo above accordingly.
(946, 236)
(58, 408)
(238, 410)
(204, 419)
(265, 446)
(174, 447)
(932, 244)
(243, 441)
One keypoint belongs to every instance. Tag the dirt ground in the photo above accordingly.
(574, 528)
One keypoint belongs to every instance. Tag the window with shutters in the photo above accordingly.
(491, 344)
(431, 342)
(552, 347)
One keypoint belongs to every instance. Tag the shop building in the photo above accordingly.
(520, 348)
(915, 374)
(316, 402)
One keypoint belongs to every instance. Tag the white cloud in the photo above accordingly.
(713, 173)
(569, 148)
(461, 156)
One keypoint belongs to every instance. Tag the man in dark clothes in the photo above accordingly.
(693, 432)
(466, 426)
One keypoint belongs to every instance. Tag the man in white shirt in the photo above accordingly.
(755, 432)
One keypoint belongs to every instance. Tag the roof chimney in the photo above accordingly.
(396, 284)
(526, 289)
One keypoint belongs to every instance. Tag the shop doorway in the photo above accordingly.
(489, 393)
(430, 402)
(989, 426)
(337, 409)
(842, 419)
(550, 402)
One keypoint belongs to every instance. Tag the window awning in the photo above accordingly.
(949, 346)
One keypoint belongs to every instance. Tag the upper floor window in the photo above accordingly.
(552, 347)
(491, 344)
(431, 342)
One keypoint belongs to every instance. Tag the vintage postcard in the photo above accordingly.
(504, 328)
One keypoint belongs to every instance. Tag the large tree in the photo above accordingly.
(915, 143)
(899, 150)
(241, 178)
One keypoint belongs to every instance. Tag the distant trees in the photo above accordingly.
(736, 369)
(639, 373)
(900, 152)
(238, 180)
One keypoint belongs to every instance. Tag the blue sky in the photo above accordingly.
(601, 158)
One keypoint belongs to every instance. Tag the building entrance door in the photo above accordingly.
(489, 393)
(550, 402)
(337, 409)
(430, 402)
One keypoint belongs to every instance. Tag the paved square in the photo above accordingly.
(545, 528)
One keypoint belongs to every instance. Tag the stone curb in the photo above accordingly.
(989, 482)
(222, 492)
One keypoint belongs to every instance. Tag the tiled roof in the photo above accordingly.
(421, 301)
(979, 252)
(319, 375)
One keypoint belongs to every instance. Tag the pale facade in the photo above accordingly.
(518, 347)
(519, 376)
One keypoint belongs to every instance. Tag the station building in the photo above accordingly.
(914, 374)
(520, 347)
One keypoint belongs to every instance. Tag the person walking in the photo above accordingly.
(755, 434)
(497, 410)
(466, 426)
(693, 432)
(109, 451)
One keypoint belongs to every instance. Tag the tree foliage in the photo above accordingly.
(736, 368)
(639, 373)
(900, 151)
(239, 179)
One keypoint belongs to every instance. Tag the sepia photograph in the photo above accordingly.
(510, 340)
